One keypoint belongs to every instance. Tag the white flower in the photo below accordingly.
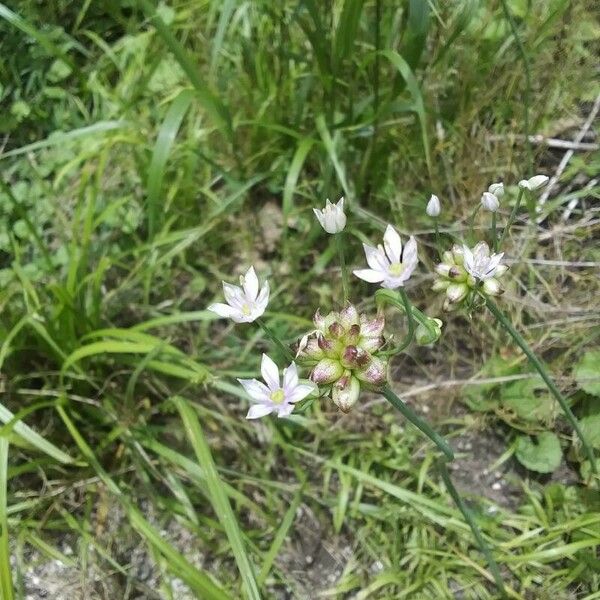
(332, 217)
(244, 304)
(276, 396)
(480, 264)
(497, 189)
(391, 265)
(533, 184)
(433, 206)
(489, 201)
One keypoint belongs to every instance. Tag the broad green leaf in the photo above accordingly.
(529, 400)
(587, 372)
(591, 429)
(544, 455)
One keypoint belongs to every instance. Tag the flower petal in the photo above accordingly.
(270, 372)
(257, 390)
(234, 295)
(370, 275)
(257, 411)
(300, 392)
(224, 310)
(262, 299)
(393, 244)
(250, 284)
(409, 256)
(290, 378)
(320, 217)
(376, 258)
(284, 410)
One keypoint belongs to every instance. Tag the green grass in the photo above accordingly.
(149, 151)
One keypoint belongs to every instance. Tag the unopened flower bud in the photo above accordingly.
(345, 392)
(497, 189)
(489, 202)
(336, 330)
(429, 335)
(375, 373)
(326, 371)
(332, 217)
(433, 207)
(534, 183)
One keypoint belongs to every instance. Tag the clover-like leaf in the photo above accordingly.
(543, 455)
(587, 372)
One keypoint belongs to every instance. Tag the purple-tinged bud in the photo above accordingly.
(349, 316)
(443, 269)
(324, 344)
(353, 334)
(319, 320)
(372, 327)
(336, 330)
(371, 344)
(326, 371)
(345, 392)
(455, 273)
(349, 356)
(375, 374)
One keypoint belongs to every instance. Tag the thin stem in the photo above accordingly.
(466, 513)
(419, 423)
(472, 222)
(512, 217)
(494, 233)
(269, 333)
(437, 237)
(541, 369)
(6, 587)
(339, 241)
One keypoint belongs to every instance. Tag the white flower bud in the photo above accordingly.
(535, 183)
(332, 217)
(497, 189)
(489, 202)
(433, 206)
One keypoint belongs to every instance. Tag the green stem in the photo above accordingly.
(466, 513)
(472, 222)
(541, 369)
(419, 423)
(494, 233)
(437, 237)
(269, 333)
(6, 587)
(512, 217)
(339, 241)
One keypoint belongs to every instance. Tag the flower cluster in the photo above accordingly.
(464, 272)
(342, 351)
(345, 350)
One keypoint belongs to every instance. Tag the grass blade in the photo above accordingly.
(6, 587)
(201, 583)
(415, 91)
(33, 438)
(162, 149)
(218, 495)
(211, 103)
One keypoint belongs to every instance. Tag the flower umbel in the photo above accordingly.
(276, 396)
(391, 264)
(342, 351)
(332, 217)
(246, 303)
(464, 271)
